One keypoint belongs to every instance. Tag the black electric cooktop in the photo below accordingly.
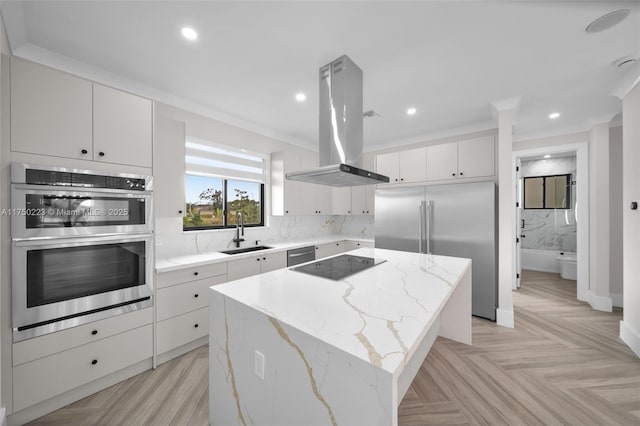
(339, 267)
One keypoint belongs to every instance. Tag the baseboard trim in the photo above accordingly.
(3, 416)
(616, 299)
(174, 353)
(600, 303)
(505, 318)
(630, 337)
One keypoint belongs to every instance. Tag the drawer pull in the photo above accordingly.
(196, 295)
(84, 151)
(264, 258)
(101, 154)
(258, 259)
(94, 362)
(196, 325)
(94, 332)
(195, 273)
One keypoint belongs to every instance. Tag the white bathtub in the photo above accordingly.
(540, 260)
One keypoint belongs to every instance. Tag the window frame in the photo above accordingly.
(568, 176)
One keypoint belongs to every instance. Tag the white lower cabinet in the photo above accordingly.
(329, 249)
(257, 264)
(178, 299)
(182, 329)
(46, 377)
(354, 244)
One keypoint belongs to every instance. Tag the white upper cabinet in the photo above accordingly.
(314, 199)
(341, 200)
(469, 158)
(442, 161)
(121, 127)
(168, 161)
(50, 112)
(57, 114)
(285, 194)
(404, 166)
(388, 165)
(476, 157)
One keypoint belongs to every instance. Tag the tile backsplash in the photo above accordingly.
(172, 241)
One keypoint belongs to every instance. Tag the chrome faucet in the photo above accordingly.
(239, 224)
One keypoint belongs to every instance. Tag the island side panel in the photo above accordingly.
(455, 318)
(305, 381)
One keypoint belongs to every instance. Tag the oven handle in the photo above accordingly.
(75, 191)
(53, 242)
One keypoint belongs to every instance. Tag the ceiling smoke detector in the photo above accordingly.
(625, 60)
(607, 21)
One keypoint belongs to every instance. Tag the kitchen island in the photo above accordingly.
(287, 347)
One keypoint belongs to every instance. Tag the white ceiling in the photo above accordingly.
(448, 59)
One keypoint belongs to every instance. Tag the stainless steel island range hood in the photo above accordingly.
(341, 136)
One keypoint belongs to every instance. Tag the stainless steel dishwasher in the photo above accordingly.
(301, 255)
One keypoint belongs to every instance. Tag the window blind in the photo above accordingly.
(207, 159)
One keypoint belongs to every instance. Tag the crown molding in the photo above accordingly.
(628, 81)
(508, 104)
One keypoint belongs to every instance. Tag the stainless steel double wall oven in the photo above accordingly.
(81, 246)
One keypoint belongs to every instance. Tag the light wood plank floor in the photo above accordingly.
(563, 364)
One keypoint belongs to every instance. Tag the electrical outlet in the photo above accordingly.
(258, 364)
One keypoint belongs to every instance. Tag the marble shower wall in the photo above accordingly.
(550, 229)
(172, 241)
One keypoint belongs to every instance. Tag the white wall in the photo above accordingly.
(615, 215)
(599, 218)
(630, 325)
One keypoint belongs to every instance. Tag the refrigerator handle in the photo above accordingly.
(420, 225)
(427, 219)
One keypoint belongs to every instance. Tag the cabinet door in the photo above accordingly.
(413, 165)
(273, 261)
(359, 199)
(121, 127)
(323, 199)
(341, 201)
(241, 268)
(442, 161)
(329, 249)
(387, 164)
(476, 157)
(50, 112)
(168, 163)
(180, 330)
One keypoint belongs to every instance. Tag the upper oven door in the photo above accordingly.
(53, 212)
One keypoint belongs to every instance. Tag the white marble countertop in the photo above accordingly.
(191, 260)
(379, 315)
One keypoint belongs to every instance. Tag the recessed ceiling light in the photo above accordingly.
(554, 115)
(189, 33)
(625, 60)
(607, 21)
(547, 156)
(301, 97)
(411, 111)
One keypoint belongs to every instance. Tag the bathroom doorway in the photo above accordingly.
(552, 227)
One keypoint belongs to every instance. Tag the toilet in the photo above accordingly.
(568, 266)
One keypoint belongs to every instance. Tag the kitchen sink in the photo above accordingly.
(245, 250)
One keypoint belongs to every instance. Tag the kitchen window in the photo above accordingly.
(220, 183)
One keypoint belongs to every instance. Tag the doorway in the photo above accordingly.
(557, 222)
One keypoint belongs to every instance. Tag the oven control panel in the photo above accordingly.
(83, 180)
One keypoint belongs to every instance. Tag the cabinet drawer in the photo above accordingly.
(180, 330)
(189, 274)
(46, 377)
(38, 347)
(183, 298)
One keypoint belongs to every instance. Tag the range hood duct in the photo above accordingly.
(341, 135)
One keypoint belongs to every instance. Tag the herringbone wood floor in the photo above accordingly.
(562, 364)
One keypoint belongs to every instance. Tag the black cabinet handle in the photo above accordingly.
(258, 259)
(195, 273)
(396, 180)
(94, 332)
(94, 362)
(286, 211)
(84, 151)
(453, 174)
(196, 295)
(196, 325)
(401, 178)
(348, 211)
(362, 211)
(316, 248)
(337, 244)
(101, 154)
(634, 205)
(264, 258)
(179, 211)
(461, 173)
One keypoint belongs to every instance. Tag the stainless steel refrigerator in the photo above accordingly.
(451, 220)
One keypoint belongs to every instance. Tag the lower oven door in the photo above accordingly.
(66, 282)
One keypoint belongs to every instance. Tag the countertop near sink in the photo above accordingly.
(190, 260)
